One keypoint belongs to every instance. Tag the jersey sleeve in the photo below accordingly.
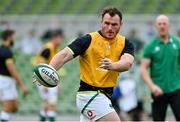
(178, 42)
(147, 52)
(129, 48)
(8, 56)
(45, 53)
(80, 45)
(178, 45)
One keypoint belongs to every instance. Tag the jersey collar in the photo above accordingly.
(170, 40)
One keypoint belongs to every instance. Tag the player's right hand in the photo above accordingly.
(156, 90)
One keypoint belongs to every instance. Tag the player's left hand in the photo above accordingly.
(24, 90)
(107, 64)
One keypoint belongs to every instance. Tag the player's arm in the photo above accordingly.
(11, 68)
(145, 63)
(125, 62)
(76, 48)
(61, 58)
(144, 68)
(145, 73)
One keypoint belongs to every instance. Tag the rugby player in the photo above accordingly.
(9, 76)
(49, 95)
(103, 55)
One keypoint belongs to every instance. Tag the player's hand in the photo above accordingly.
(156, 90)
(24, 90)
(45, 89)
(107, 64)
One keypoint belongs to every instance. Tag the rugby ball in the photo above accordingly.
(46, 75)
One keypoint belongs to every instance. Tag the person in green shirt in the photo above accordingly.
(160, 70)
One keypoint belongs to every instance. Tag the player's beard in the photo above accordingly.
(11, 43)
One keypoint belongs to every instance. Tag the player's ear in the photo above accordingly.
(101, 21)
(121, 23)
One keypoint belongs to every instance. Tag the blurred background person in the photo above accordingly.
(148, 31)
(115, 99)
(30, 44)
(47, 35)
(137, 114)
(178, 33)
(161, 56)
(141, 93)
(49, 95)
(9, 76)
(137, 42)
(128, 100)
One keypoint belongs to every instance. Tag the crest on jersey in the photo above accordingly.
(157, 48)
(174, 46)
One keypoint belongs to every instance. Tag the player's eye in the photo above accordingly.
(114, 24)
(106, 23)
(164, 23)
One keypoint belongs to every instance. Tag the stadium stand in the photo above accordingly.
(80, 6)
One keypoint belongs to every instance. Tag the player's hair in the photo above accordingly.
(112, 11)
(58, 32)
(6, 34)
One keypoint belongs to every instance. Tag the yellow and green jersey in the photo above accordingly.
(92, 48)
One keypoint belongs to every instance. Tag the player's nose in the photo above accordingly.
(110, 27)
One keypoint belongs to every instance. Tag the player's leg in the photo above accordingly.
(51, 112)
(8, 97)
(43, 111)
(175, 104)
(8, 107)
(52, 102)
(113, 116)
(94, 106)
(84, 119)
(159, 108)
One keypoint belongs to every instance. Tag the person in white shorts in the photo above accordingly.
(103, 54)
(9, 77)
(49, 95)
(100, 102)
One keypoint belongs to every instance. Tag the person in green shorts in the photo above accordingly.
(160, 70)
